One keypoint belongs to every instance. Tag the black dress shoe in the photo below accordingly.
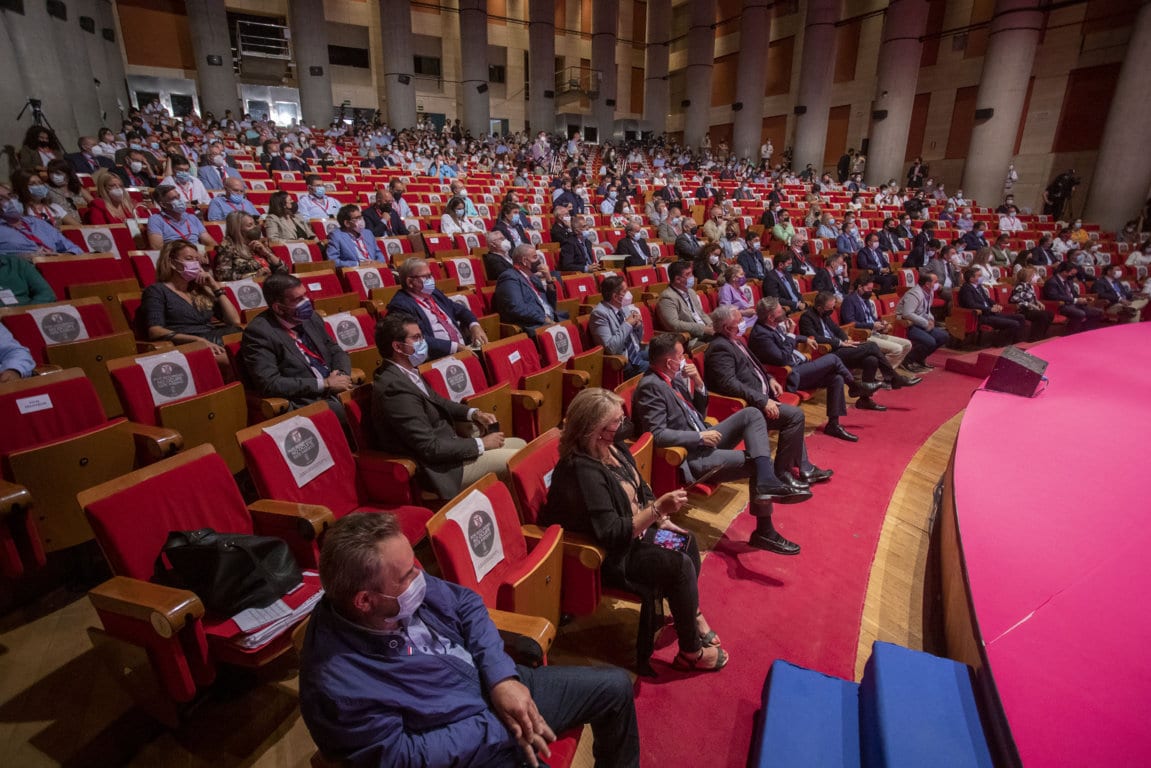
(867, 404)
(773, 542)
(837, 431)
(899, 382)
(797, 483)
(863, 388)
(783, 493)
(816, 475)
(915, 367)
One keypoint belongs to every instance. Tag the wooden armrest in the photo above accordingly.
(357, 376)
(577, 379)
(534, 628)
(13, 498)
(154, 443)
(167, 609)
(311, 519)
(154, 346)
(45, 368)
(673, 455)
(509, 329)
(582, 548)
(271, 407)
(711, 421)
(616, 362)
(859, 334)
(375, 307)
(528, 399)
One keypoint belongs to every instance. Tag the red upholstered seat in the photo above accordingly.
(468, 272)
(298, 252)
(563, 343)
(355, 332)
(363, 280)
(61, 272)
(516, 361)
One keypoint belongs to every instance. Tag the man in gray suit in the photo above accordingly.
(286, 352)
(617, 325)
(408, 411)
(679, 308)
(670, 402)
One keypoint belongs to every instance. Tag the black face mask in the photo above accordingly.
(867, 294)
(625, 432)
(396, 195)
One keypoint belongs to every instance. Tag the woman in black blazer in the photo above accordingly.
(597, 491)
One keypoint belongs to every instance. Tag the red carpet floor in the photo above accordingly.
(805, 609)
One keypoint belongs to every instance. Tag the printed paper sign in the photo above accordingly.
(459, 384)
(370, 278)
(346, 329)
(42, 402)
(461, 299)
(464, 271)
(315, 286)
(304, 451)
(248, 293)
(7, 297)
(562, 341)
(514, 357)
(168, 375)
(477, 520)
(300, 254)
(392, 246)
(59, 324)
(101, 241)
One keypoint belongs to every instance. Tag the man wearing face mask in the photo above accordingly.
(381, 219)
(525, 295)
(832, 277)
(498, 258)
(1121, 303)
(751, 259)
(316, 204)
(561, 228)
(28, 234)
(575, 251)
(85, 161)
(914, 308)
(407, 410)
(216, 169)
(687, 245)
(286, 351)
(973, 296)
(286, 160)
(135, 172)
(857, 308)
(234, 199)
(679, 307)
(943, 262)
(352, 244)
(174, 221)
(419, 660)
(616, 324)
(190, 188)
(780, 283)
(633, 246)
(446, 326)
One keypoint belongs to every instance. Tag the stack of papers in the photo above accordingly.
(260, 625)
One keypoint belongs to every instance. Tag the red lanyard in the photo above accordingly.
(308, 352)
(188, 192)
(25, 230)
(183, 235)
(363, 248)
(434, 308)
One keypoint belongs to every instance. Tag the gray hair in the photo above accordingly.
(766, 307)
(522, 250)
(721, 314)
(350, 558)
(494, 237)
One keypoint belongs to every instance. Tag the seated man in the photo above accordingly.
(781, 284)
(679, 308)
(286, 351)
(316, 204)
(135, 170)
(85, 161)
(1121, 302)
(857, 308)
(687, 245)
(15, 359)
(446, 325)
(20, 282)
(617, 325)
(772, 343)
(420, 424)
(382, 219)
(914, 308)
(832, 277)
(174, 222)
(575, 251)
(670, 402)
(751, 259)
(186, 183)
(497, 260)
(974, 296)
(447, 694)
(27, 234)
(872, 258)
(234, 199)
(818, 323)
(633, 246)
(351, 244)
(1061, 287)
(525, 295)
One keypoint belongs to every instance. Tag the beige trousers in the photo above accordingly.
(494, 460)
(893, 347)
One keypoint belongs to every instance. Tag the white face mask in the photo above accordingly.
(411, 598)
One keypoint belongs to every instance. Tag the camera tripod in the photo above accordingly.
(37, 114)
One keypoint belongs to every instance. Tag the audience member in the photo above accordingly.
(633, 246)
(65, 189)
(190, 188)
(973, 296)
(40, 147)
(16, 360)
(914, 308)
(35, 196)
(687, 245)
(1061, 288)
(112, 203)
(781, 284)
(316, 204)
(174, 222)
(575, 251)
(28, 234)
(832, 277)
(679, 308)
(20, 282)
(243, 254)
(446, 326)
(1121, 302)
(86, 160)
(1028, 304)
(283, 222)
(616, 324)
(497, 258)
(351, 244)
(858, 309)
(525, 294)
(234, 199)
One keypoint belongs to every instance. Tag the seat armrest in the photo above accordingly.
(154, 346)
(154, 443)
(167, 609)
(858, 334)
(673, 455)
(13, 498)
(45, 368)
(386, 478)
(576, 379)
(616, 362)
(535, 628)
(311, 520)
(528, 399)
(271, 407)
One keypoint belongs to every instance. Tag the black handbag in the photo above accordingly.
(228, 571)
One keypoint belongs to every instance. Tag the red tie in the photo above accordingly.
(448, 325)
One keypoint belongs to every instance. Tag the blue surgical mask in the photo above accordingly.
(319, 191)
(303, 310)
(236, 197)
(429, 284)
(38, 191)
(411, 598)
(13, 209)
(178, 206)
(419, 353)
(183, 177)
(691, 282)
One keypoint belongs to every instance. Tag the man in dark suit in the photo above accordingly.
(772, 344)
(687, 245)
(832, 277)
(616, 324)
(872, 258)
(497, 260)
(575, 250)
(705, 193)
(670, 402)
(1060, 288)
(976, 239)
(287, 161)
(891, 237)
(381, 218)
(420, 424)
(858, 309)
(1121, 302)
(286, 351)
(1042, 254)
(671, 193)
(86, 162)
(561, 228)
(924, 241)
(633, 246)
(446, 326)
(780, 284)
(526, 294)
(818, 323)
(973, 296)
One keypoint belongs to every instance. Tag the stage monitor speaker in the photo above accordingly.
(984, 114)
(1018, 373)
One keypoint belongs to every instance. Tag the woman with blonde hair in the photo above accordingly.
(598, 491)
(186, 303)
(112, 203)
(981, 261)
(243, 254)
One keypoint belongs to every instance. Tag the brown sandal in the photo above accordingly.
(685, 663)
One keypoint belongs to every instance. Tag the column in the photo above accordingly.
(604, 21)
(750, 78)
(899, 57)
(700, 58)
(656, 90)
(114, 88)
(208, 26)
(815, 84)
(396, 36)
(542, 66)
(1123, 170)
(313, 70)
(475, 101)
(1015, 31)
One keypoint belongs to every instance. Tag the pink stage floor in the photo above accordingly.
(1053, 496)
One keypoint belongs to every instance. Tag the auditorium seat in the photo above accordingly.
(355, 333)
(562, 343)
(516, 361)
(460, 378)
(65, 270)
(327, 293)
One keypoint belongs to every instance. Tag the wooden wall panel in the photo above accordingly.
(779, 56)
(846, 51)
(637, 83)
(962, 123)
(918, 128)
(1085, 107)
(723, 80)
(837, 120)
(155, 34)
(775, 128)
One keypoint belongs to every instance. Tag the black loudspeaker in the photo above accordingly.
(482, 88)
(88, 24)
(215, 60)
(737, 106)
(109, 34)
(800, 109)
(609, 102)
(404, 80)
(984, 114)
(316, 71)
(549, 94)
(685, 103)
(57, 10)
(1018, 373)
(879, 114)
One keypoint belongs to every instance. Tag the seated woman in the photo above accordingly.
(708, 265)
(242, 254)
(982, 262)
(112, 203)
(33, 194)
(731, 292)
(283, 221)
(597, 491)
(186, 303)
(454, 222)
(1023, 296)
(65, 189)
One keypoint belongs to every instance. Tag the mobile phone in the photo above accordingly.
(493, 428)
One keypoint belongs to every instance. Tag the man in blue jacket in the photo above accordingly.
(403, 669)
(352, 243)
(526, 293)
(446, 325)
